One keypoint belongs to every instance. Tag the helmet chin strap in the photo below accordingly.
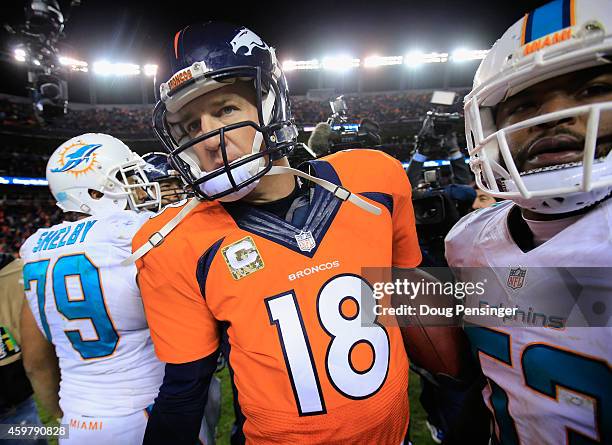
(338, 191)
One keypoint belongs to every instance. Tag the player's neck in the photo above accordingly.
(272, 187)
(74, 216)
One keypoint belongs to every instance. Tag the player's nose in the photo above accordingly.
(557, 101)
(210, 124)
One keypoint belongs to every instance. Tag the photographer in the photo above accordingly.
(437, 140)
(439, 201)
(337, 134)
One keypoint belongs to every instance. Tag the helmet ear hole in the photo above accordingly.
(95, 194)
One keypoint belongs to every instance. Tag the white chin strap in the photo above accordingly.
(222, 183)
(338, 191)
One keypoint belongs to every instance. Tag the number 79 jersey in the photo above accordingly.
(306, 368)
(90, 308)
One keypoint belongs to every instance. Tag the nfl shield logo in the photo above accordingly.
(516, 278)
(305, 241)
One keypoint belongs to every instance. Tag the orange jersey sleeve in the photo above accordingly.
(182, 326)
(406, 250)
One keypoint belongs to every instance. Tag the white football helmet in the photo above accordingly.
(100, 162)
(558, 38)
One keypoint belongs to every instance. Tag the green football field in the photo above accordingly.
(419, 434)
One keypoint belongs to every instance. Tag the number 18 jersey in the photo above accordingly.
(306, 368)
(90, 308)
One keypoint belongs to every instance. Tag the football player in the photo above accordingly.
(539, 132)
(158, 169)
(84, 307)
(268, 263)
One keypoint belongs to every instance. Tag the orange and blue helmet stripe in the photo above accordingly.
(547, 19)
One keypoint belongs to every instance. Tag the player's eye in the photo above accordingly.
(193, 127)
(594, 90)
(227, 110)
(521, 107)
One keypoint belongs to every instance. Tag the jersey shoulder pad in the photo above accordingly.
(365, 170)
(200, 220)
(468, 229)
(121, 226)
(373, 158)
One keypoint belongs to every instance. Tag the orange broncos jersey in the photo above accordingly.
(306, 369)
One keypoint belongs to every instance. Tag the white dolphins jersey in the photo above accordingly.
(89, 307)
(548, 384)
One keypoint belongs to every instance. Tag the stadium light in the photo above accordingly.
(150, 69)
(340, 63)
(74, 64)
(20, 54)
(461, 55)
(435, 57)
(376, 61)
(416, 58)
(291, 65)
(413, 59)
(104, 68)
(36, 62)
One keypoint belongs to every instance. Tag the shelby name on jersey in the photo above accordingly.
(53, 239)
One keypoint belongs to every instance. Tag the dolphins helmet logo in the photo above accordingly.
(247, 39)
(77, 159)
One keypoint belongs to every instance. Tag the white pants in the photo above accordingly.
(124, 430)
(128, 430)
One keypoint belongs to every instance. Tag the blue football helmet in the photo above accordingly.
(208, 56)
(158, 169)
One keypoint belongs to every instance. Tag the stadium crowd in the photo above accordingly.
(19, 218)
(384, 108)
(123, 120)
(19, 161)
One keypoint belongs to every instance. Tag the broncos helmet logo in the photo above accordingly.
(248, 39)
(84, 155)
